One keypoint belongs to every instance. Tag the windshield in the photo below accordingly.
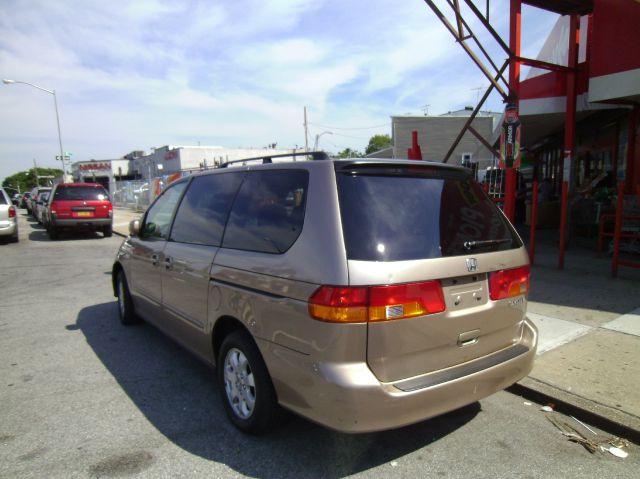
(411, 213)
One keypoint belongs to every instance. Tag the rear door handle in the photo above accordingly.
(168, 263)
(469, 338)
(155, 259)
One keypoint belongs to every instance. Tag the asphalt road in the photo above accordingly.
(83, 396)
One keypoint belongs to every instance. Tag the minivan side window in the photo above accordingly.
(268, 213)
(157, 223)
(203, 211)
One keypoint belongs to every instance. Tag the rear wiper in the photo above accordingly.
(480, 243)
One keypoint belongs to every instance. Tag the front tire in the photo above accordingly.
(247, 392)
(126, 310)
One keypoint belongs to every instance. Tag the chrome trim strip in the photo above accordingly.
(463, 370)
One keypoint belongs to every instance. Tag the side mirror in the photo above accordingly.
(134, 227)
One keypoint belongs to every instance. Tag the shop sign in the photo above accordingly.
(94, 166)
(510, 139)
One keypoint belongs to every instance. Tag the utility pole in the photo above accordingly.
(306, 134)
(35, 172)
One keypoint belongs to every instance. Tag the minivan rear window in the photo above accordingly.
(81, 193)
(408, 213)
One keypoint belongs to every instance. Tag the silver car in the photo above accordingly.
(8, 218)
(361, 294)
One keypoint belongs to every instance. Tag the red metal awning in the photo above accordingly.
(563, 7)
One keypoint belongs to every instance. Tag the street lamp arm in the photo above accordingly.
(10, 82)
(55, 104)
(315, 146)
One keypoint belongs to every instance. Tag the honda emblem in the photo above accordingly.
(472, 264)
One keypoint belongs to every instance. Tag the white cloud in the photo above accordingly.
(130, 75)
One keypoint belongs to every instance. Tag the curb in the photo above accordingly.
(610, 420)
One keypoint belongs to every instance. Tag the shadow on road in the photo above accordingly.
(177, 394)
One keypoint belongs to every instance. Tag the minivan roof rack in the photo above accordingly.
(316, 155)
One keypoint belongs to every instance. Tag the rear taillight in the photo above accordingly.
(508, 283)
(12, 212)
(54, 208)
(339, 305)
(376, 303)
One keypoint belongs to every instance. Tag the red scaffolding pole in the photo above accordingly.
(569, 129)
(515, 24)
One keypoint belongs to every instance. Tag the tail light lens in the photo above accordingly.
(53, 208)
(376, 303)
(339, 305)
(508, 283)
(12, 212)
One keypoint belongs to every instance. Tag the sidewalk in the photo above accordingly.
(589, 324)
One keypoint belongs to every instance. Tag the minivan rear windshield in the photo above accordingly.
(81, 193)
(407, 213)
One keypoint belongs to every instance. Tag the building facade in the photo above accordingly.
(170, 159)
(436, 134)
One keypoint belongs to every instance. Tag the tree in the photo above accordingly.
(378, 142)
(25, 180)
(349, 153)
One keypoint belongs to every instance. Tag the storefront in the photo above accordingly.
(104, 172)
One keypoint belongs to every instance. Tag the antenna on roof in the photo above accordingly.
(478, 89)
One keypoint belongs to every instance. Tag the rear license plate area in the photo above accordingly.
(465, 291)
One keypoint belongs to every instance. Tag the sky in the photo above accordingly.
(136, 74)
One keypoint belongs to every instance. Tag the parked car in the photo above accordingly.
(16, 199)
(361, 294)
(33, 198)
(78, 206)
(40, 205)
(8, 218)
(25, 199)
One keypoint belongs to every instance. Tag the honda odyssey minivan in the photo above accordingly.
(361, 294)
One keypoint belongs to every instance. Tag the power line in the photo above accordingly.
(353, 137)
(356, 128)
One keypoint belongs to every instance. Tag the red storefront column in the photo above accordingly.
(569, 129)
(515, 23)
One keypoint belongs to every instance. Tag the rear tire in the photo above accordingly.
(126, 310)
(15, 238)
(53, 233)
(107, 231)
(247, 391)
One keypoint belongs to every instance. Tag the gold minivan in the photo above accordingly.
(361, 294)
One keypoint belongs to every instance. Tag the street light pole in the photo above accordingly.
(55, 103)
(315, 145)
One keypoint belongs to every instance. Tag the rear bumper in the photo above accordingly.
(8, 228)
(80, 222)
(349, 398)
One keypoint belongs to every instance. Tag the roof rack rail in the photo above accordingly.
(316, 155)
